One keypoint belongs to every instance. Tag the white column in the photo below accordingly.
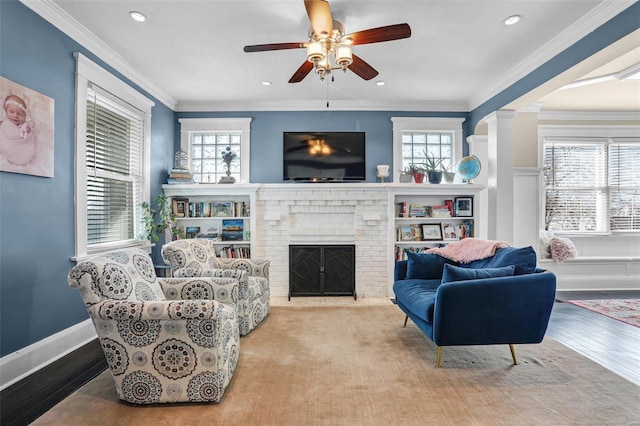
(478, 146)
(527, 185)
(500, 179)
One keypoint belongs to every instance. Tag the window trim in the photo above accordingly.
(87, 72)
(242, 125)
(580, 133)
(429, 125)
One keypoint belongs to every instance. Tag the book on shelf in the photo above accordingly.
(440, 212)
(416, 210)
(232, 229)
(235, 252)
(180, 176)
(402, 209)
(466, 229)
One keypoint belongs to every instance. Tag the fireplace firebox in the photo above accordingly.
(322, 270)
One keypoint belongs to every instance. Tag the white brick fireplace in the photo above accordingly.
(325, 214)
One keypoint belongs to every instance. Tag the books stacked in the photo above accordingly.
(416, 210)
(440, 212)
(177, 176)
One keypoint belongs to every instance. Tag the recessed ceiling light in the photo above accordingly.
(266, 83)
(137, 16)
(380, 83)
(512, 20)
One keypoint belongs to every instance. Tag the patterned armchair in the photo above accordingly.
(197, 258)
(165, 339)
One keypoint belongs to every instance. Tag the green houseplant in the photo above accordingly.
(157, 218)
(434, 167)
(418, 171)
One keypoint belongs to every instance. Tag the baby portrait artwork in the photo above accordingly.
(26, 130)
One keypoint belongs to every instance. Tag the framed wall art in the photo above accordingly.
(431, 232)
(463, 207)
(26, 130)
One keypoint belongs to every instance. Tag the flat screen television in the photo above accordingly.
(324, 156)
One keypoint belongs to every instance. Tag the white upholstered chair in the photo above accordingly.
(165, 339)
(197, 258)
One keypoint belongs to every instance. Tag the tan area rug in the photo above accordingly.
(357, 365)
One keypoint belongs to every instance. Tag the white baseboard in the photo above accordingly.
(593, 283)
(20, 364)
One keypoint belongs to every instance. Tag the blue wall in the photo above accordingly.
(267, 129)
(37, 213)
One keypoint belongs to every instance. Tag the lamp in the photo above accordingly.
(329, 52)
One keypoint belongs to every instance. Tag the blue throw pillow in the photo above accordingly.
(424, 266)
(523, 258)
(456, 273)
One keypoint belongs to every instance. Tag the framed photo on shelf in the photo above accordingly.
(450, 231)
(431, 232)
(180, 206)
(192, 231)
(405, 233)
(221, 209)
(463, 207)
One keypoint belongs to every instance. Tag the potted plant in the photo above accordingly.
(163, 212)
(434, 168)
(417, 171)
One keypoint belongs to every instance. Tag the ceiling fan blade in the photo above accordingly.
(301, 72)
(362, 69)
(320, 17)
(274, 46)
(380, 34)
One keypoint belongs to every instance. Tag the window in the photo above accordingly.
(416, 147)
(112, 157)
(592, 185)
(416, 137)
(205, 139)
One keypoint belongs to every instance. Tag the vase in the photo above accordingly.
(435, 176)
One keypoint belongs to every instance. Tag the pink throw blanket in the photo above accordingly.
(468, 249)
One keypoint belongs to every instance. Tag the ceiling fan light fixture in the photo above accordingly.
(315, 52)
(344, 57)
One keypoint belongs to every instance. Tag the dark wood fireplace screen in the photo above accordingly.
(322, 270)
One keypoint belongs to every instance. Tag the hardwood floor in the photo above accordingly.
(609, 342)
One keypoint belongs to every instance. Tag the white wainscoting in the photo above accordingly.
(604, 262)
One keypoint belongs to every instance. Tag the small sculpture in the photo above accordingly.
(227, 156)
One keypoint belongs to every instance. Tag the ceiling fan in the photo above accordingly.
(327, 40)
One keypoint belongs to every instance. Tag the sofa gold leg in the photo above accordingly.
(513, 354)
(439, 357)
(406, 317)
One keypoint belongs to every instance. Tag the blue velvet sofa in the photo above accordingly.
(503, 299)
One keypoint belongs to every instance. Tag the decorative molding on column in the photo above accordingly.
(500, 178)
(532, 107)
(479, 146)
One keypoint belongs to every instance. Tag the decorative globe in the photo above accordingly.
(468, 168)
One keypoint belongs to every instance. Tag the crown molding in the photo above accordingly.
(601, 14)
(320, 105)
(53, 14)
(590, 115)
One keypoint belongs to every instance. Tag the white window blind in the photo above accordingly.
(624, 189)
(114, 155)
(590, 186)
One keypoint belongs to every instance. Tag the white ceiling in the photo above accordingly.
(189, 53)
